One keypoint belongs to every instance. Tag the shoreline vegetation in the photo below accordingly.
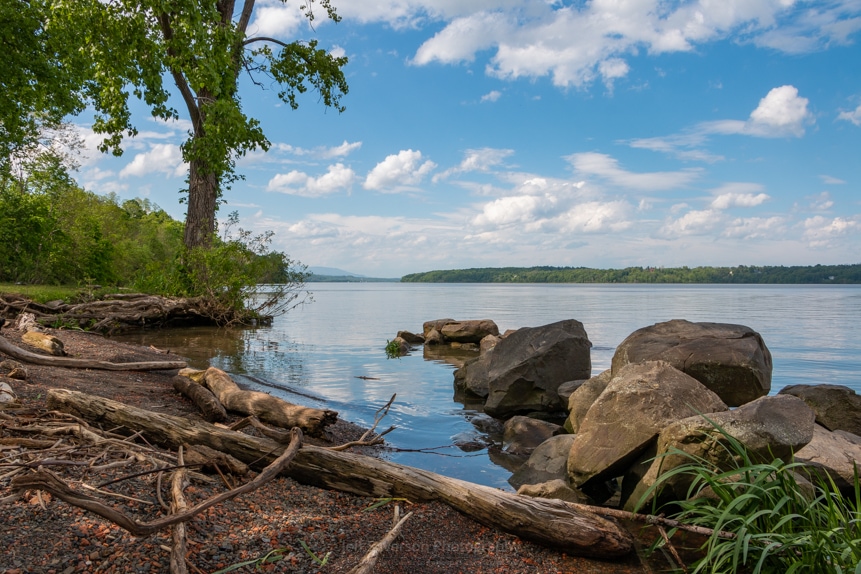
(742, 274)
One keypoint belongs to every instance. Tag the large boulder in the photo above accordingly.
(637, 404)
(522, 373)
(583, 397)
(522, 434)
(836, 407)
(769, 427)
(547, 462)
(731, 360)
(832, 456)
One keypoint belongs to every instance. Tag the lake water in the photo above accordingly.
(314, 354)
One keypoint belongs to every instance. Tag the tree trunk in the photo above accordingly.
(202, 197)
(547, 522)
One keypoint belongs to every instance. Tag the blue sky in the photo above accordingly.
(605, 133)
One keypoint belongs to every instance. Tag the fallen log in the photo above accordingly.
(552, 523)
(210, 407)
(23, 355)
(265, 407)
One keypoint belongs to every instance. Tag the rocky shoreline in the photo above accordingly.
(298, 525)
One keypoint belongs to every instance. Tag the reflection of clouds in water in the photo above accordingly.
(321, 348)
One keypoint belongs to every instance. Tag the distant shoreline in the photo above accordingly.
(742, 274)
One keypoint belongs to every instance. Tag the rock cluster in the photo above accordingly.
(674, 387)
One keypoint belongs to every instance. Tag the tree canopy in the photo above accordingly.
(66, 54)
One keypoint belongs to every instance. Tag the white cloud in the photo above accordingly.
(597, 217)
(606, 167)
(275, 19)
(739, 195)
(754, 227)
(821, 232)
(491, 96)
(161, 158)
(821, 202)
(577, 43)
(399, 171)
(829, 180)
(319, 152)
(853, 116)
(480, 160)
(695, 222)
(782, 112)
(338, 178)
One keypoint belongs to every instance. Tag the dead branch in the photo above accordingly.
(178, 506)
(366, 565)
(650, 519)
(209, 406)
(23, 355)
(49, 482)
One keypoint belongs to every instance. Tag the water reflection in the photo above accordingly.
(317, 351)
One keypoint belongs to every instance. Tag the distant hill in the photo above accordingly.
(335, 275)
(331, 271)
(814, 274)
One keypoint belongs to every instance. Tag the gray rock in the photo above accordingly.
(521, 435)
(468, 331)
(411, 338)
(567, 388)
(547, 462)
(523, 372)
(832, 454)
(581, 400)
(557, 489)
(731, 360)
(836, 407)
(637, 404)
(769, 427)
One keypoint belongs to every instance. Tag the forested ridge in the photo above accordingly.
(768, 274)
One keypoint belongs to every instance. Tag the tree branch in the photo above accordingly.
(181, 83)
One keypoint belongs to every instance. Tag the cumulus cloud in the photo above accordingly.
(821, 232)
(695, 222)
(161, 158)
(853, 116)
(276, 19)
(782, 112)
(821, 202)
(578, 43)
(606, 167)
(754, 227)
(399, 171)
(337, 178)
(739, 195)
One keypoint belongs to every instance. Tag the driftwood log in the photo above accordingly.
(16, 352)
(265, 407)
(210, 407)
(547, 522)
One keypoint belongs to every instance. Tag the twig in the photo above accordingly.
(379, 415)
(45, 480)
(108, 493)
(178, 505)
(652, 519)
(672, 549)
(366, 565)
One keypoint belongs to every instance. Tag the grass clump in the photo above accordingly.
(780, 522)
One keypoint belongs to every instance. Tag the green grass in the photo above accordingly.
(45, 293)
(781, 524)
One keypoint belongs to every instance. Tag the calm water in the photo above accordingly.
(314, 354)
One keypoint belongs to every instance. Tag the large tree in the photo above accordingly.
(141, 47)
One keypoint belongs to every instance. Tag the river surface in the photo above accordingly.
(315, 354)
